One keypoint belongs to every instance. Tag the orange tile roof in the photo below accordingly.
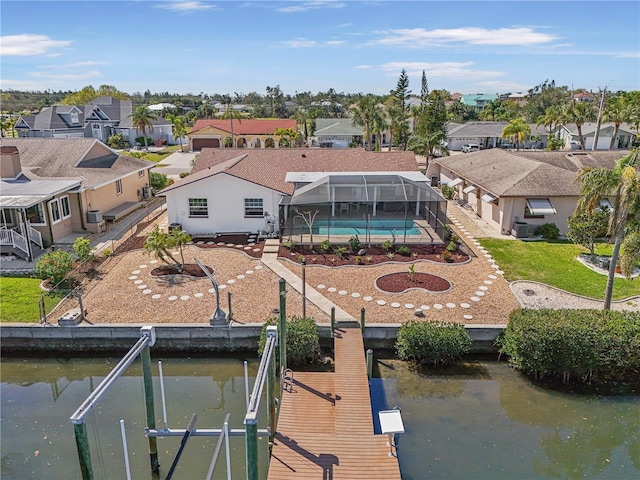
(268, 167)
(246, 126)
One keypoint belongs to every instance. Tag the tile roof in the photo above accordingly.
(247, 126)
(268, 167)
(516, 174)
(73, 158)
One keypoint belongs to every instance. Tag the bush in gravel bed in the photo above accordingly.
(574, 345)
(303, 344)
(438, 343)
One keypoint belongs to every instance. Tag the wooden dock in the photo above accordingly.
(325, 424)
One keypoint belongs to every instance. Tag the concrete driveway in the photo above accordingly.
(175, 164)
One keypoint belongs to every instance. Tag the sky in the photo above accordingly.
(232, 47)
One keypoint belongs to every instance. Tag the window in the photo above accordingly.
(35, 215)
(198, 207)
(118, 187)
(65, 206)
(54, 209)
(74, 117)
(538, 208)
(253, 207)
(141, 173)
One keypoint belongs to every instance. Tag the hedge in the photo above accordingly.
(303, 344)
(587, 345)
(439, 343)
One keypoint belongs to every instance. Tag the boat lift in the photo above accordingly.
(266, 375)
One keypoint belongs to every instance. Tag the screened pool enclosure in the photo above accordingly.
(374, 206)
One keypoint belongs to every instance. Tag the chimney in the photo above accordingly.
(10, 168)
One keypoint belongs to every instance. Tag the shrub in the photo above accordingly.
(387, 245)
(290, 245)
(184, 174)
(454, 238)
(438, 343)
(390, 255)
(549, 231)
(359, 260)
(140, 140)
(325, 245)
(107, 252)
(447, 231)
(82, 249)
(54, 266)
(303, 344)
(403, 250)
(446, 256)
(118, 141)
(452, 247)
(447, 191)
(158, 181)
(574, 344)
(354, 243)
(340, 251)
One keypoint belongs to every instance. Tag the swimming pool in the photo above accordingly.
(376, 226)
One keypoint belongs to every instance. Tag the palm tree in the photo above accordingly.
(616, 112)
(179, 238)
(142, 118)
(551, 118)
(364, 114)
(231, 114)
(621, 185)
(579, 113)
(379, 125)
(517, 129)
(158, 244)
(179, 131)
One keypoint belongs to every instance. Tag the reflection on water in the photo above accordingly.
(483, 420)
(39, 395)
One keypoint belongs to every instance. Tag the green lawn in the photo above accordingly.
(20, 297)
(152, 156)
(555, 264)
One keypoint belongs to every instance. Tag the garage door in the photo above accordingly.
(200, 143)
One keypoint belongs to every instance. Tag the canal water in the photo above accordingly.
(481, 420)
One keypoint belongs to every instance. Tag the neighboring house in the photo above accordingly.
(59, 121)
(478, 101)
(53, 187)
(159, 107)
(260, 190)
(514, 192)
(584, 97)
(99, 119)
(624, 137)
(248, 133)
(336, 133)
(236, 107)
(489, 135)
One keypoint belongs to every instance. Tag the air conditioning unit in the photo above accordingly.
(94, 216)
(140, 193)
(520, 229)
(147, 192)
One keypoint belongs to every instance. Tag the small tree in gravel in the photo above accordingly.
(585, 228)
(82, 249)
(159, 244)
(54, 266)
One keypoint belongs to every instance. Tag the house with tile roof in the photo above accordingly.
(247, 133)
(608, 137)
(515, 192)
(100, 118)
(489, 135)
(53, 187)
(265, 190)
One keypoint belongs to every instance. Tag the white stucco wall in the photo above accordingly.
(225, 196)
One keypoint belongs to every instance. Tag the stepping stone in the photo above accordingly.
(491, 260)
(367, 299)
(230, 245)
(209, 243)
(437, 306)
(247, 248)
(156, 296)
(231, 281)
(381, 302)
(409, 306)
(256, 249)
(220, 243)
(479, 294)
(332, 289)
(172, 298)
(239, 246)
(185, 297)
(482, 250)
(321, 287)
(492, 277)
(468, 317)
(136, 272)
(451, 305)
(212, 290)
(488, 282)
(142, 266)
(495, 266)
(395, 305)
(342, 292)
(475, 299)
(499, 272)
(222, 287)
(138, 282)
(249, 272)
(251, 244)
(153, 261)
(198, 295)
(465, 305)
(483, 287)
(240, 277)
(258, 267)
(142, 287)
(355, 295)
(133, 277)
(488, 255)
(424, 307)
(147, 291)
(199, 242)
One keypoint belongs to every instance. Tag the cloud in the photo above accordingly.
(300, 43)
(27, 44)
(312, 5)
(87, 63)
(187, 7)
(65, 76)
(502, 86)
(364, 67)
(419, 37)
(344, 25)
(335, 42)
(442, 69)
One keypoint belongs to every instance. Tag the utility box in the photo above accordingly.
(71, 318)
